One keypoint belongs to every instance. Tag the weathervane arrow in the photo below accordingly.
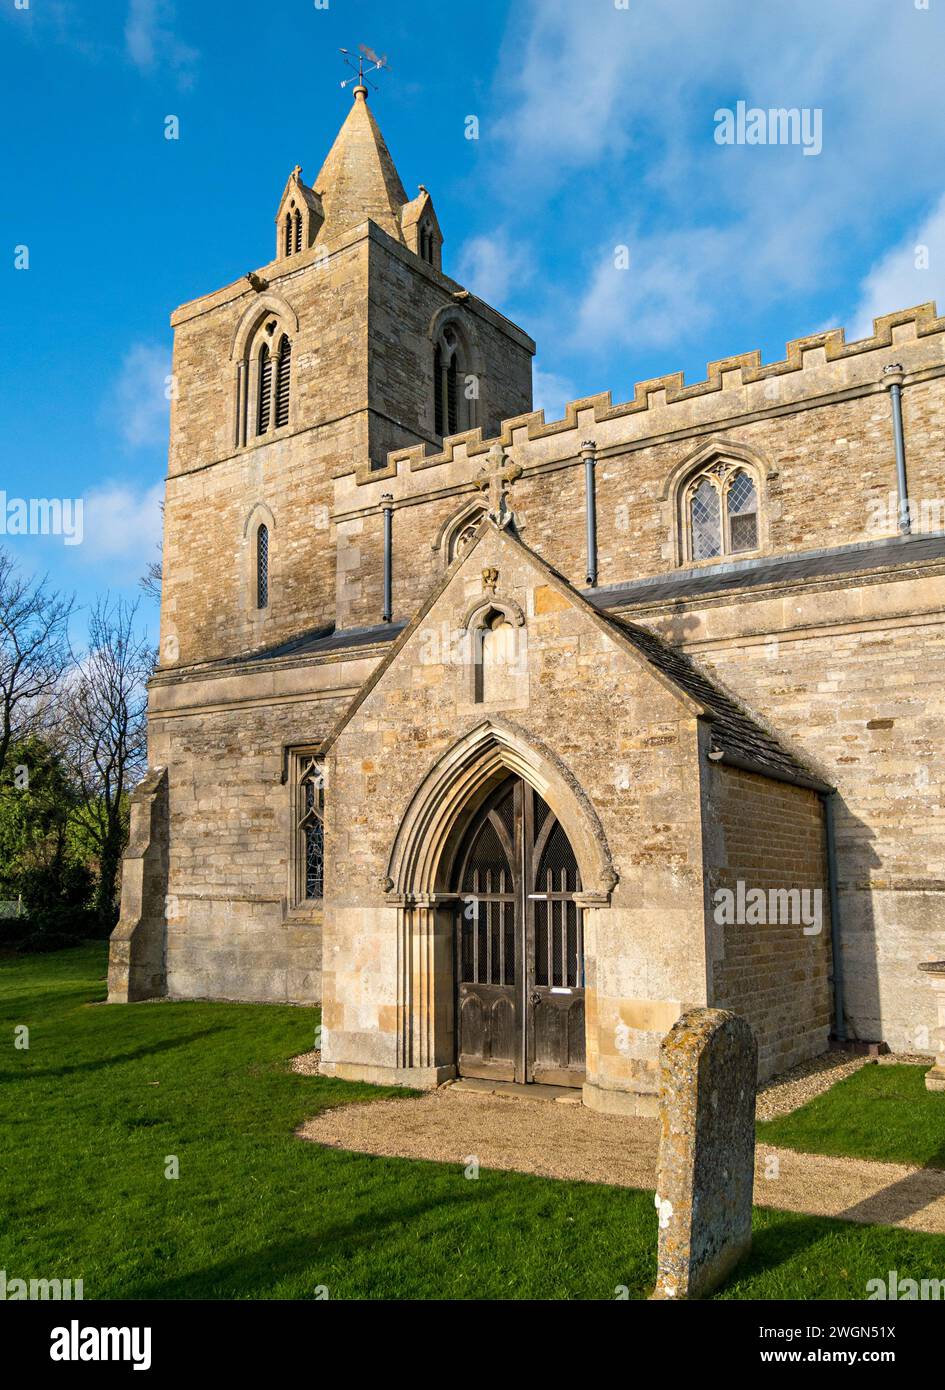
(364, 53)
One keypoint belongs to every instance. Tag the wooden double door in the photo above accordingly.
(519, 944)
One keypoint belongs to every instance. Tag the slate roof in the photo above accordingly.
(322, 640)
(735, 732)
(776, 569)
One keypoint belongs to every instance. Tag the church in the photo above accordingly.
(508, 740)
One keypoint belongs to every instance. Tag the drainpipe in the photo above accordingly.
(840, 1027)
(894, 376)
(387, 501)
(589, 455)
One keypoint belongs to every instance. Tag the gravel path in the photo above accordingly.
(571, 1142)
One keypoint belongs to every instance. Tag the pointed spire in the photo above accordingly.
(358, 179)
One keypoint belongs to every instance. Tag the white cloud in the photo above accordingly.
(908, 274)
(491, 265)
(139, 396)
(151, 39)
(551, 393)
(122, 523)
(616, 107)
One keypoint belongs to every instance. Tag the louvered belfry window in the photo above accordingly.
(451, 411)
(452, 397)
(438, 390)
(298, 230)
(262, 567)
(265, 390)
(288, 234)
(283, 383)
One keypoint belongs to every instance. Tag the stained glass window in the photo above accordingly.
(310, 851)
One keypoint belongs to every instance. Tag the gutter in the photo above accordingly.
(839, 1024)
(893, 378)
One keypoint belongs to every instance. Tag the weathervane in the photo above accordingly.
(365, 53)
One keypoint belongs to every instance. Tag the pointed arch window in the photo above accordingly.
(263, 361)
(308, 851)
(721, 512)
(427, 252)
(288, 234)
(264, 409)
(461, 537)
(497, 657)
(298, 231)
(741, 502)
(283, 381)
(453, 401)
(439, 393)
(262, 567)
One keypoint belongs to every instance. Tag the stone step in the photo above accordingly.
(514, 1090)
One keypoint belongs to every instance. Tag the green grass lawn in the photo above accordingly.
(881, 1112)
(90, 1112)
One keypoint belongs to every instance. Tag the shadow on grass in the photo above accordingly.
(254, 1274)
(783, 1237)
(103, 1063)
(20, 1008)
(902, 1199)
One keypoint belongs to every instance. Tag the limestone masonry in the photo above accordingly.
(506, 791)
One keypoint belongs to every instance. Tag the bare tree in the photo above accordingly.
(34, 652)
(153, 577)
(150, 582)
(106, 733)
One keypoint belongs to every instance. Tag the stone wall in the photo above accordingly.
(361, 384)
(636, 769)
(769, 836)
(232, 931)
(815, 430)
(853, 672)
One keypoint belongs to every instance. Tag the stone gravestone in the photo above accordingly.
(708, 1074)
(935, 1078)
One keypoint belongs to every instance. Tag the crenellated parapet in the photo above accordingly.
(812, 367)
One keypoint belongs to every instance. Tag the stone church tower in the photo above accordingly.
(509, 740)
(315, 364)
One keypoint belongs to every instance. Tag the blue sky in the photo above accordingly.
(596, 131)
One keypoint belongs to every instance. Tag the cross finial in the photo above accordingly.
(297, 173)
(496, 477)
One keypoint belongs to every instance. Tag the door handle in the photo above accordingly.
(535, 997)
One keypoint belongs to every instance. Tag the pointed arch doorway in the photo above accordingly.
(519, 944)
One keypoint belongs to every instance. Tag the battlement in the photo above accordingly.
(826, 360)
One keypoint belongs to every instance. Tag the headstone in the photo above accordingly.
(708, 1075)
(935, 1077)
